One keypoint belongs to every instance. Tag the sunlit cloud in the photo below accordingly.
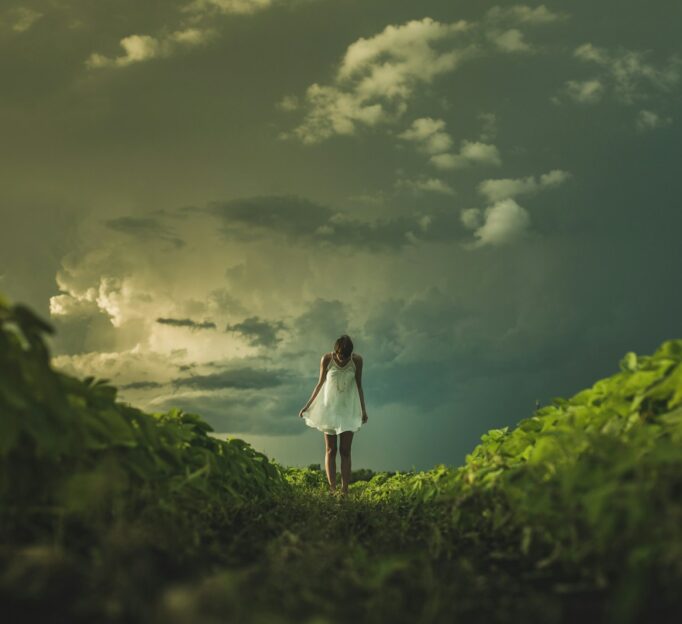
(524, 14)
(501, 188)
(650, 120)
(504, 221)
(429, 135)
(22, 19)
(470, 153)
(377, 77)
(424, 184)
(629, 74)
(239, 7)
(139, 48)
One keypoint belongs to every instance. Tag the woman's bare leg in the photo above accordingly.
(344, 450)
(330, 459)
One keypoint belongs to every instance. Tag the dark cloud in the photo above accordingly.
(316, 329)
(300, 219)
(186, 323)
(482, 336)
(142, 385)
(239, 378)
(144, 228)
(259, 333)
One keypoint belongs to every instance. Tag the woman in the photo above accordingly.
(339, 408)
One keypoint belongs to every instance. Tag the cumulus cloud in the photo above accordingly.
(378, 75)
(22, 19)
(470, 153)
(649, 120)
(288, 103)
(629, 74)
(129, 369)
(428, 134)
(239, 7)
(423, 184)
(497, 20)
(497, 189)
(471, 218)
(430, 137)
(524, 14)
(584, 91)
(510, 40)
(138, 48)
(489, 129)
(504, 222)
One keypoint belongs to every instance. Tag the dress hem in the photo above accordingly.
(336, 431)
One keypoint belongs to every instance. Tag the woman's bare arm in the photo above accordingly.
(358, 380)
(323, 375)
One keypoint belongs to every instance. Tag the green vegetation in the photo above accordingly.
(109, 514)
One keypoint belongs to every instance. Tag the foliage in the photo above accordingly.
(110, 514)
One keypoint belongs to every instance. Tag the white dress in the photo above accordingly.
(336, 407)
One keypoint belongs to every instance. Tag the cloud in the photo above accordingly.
(22, 19)
(258, 332)
(584, 91)
(497, 189)
(186, 323)
(289, 103)
(298, 219)
(629, 73)
(239, 7)
(470, 153)
(129, 369)
(524, 14)
(144, 228)
(378, 75)
(142, 385)
(139, 48)
(510, 40)
(250, 218)
(471, 218)
(504, 222)
(242, 411)
(489, 129)
(649, 120)
(237, 378)
(429, 135)
(429, 185)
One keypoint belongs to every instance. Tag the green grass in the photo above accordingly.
(109, 514)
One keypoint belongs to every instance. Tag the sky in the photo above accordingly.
(202, 195)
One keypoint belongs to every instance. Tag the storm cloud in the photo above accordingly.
(189, 323)
(202, 196)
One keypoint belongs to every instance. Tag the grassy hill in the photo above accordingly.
(110, 514)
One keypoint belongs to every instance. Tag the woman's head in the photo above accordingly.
(343, 346)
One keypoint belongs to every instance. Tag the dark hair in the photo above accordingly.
(344, 346)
